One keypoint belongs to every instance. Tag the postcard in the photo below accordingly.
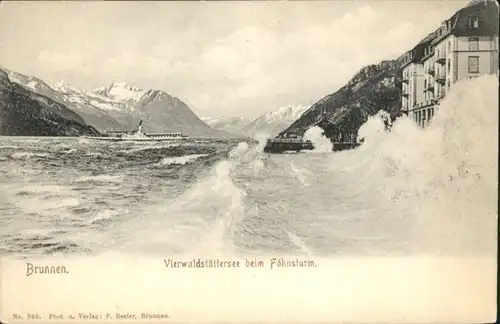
(248, 161)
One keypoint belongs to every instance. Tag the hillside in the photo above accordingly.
(26, 113)
(373, 88)
(77, 100)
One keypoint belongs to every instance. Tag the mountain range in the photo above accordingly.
(269, 124)
(233, 125)
(272, 123)
(118, 106)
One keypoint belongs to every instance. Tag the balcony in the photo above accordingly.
(405, 94)
(425, 104)
(441, 59)
(406, 79)
(430, 88)
(427, 54)
(441, 79)
(432, 70)
(406, 59)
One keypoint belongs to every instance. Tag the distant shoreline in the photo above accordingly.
(75, 137)
(37, 136)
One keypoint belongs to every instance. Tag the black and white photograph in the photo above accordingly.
(218, 140)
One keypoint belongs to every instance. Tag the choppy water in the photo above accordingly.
(410, 191)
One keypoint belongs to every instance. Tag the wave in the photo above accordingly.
(101, 178)
(181, 160)
(321, 143)
(93, 154)
(302, 174)
(205, 214)
(8, 147)
(49, 208)
(41, 189)
(299, 243)
(445, 173)
(149, 147)
(103, 217)
(27, 155)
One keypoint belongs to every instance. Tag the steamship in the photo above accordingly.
(137, 135)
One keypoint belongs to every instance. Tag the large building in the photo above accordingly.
(464, 46)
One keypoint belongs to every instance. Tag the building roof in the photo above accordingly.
(459, 24)
(418, 52)
(486, 11)
(427, 39)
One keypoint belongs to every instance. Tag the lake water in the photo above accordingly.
(410, 191)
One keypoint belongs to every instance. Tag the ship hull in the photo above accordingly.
(278, 147)
(120, 139)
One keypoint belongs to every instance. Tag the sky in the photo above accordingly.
(227, 58)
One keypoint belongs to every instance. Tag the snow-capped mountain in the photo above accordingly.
(233, 125)
(269, 124)
(120, 92)
(159, 111)
(121, 106)
(94, 110)
(272, 123)
(24, 112)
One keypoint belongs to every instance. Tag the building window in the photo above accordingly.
(473, 64)
(449, 66)
(449, 46)
(473, 43)
(473, 22)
